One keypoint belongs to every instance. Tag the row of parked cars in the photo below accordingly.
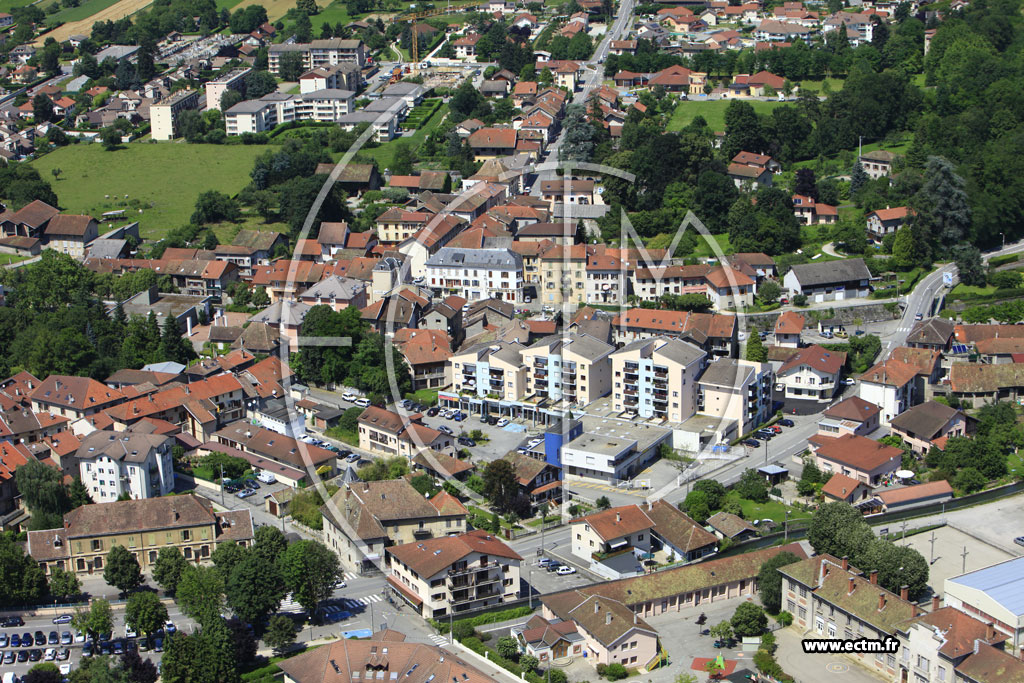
(555, 566)
(767, 433)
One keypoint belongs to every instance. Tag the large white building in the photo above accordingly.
(256, 116)
(232, 80)
(994, 595)
(163, 115)
(114, 463)
(476, 274)
(319, 53)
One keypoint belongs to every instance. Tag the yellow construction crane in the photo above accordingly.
(414, 42)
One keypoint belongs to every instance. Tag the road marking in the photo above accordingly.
(439, 640)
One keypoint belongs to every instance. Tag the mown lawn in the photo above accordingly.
(834, 84)
(163, 179)
(713, 112)
(962, 291)
(773, 510)
(334, 13)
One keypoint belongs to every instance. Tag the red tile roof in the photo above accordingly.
(860, 453)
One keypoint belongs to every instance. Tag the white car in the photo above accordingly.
(502, 422)
(79, 637)
(849, 381)
(362, 402)
(565, 569)
(65, 669)
(349, 396)
(129, 632)
(51, 654)
(266, 477)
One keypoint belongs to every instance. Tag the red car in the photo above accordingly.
(775, 428)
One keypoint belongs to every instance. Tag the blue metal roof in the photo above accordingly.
(1003, 582)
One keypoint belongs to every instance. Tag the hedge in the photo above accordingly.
(487, 618)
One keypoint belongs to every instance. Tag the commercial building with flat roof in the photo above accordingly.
(994, 595)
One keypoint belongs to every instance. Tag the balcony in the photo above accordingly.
(469, 369)
(632, 367)
(497, 373)
(421, 533)
(539, 363)
(632, 376)
(631, 391)
(568, 381)
(631, 401)
(540, 374)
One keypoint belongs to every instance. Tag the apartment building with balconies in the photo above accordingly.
(575, 369)
(113, 464)
(736, 390)
(490, 371)
(656, 378)
(454, 574)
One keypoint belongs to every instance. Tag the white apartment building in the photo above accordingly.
(453, 574)
(256, 116)
(476, 274)
(812, 373)
(492, 370)
(736, 390)
(232, 80)
(163, 115)
(320, 53)
(113, 463)
(576, 369)
(656, 378)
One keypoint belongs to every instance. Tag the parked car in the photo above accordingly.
(169, 627)
(447, 430)
(51, 654)
(785, 422)
(502, 422)
(362, 402)
(118, 647)
(459, 417)
(252, 484)
(87, 650)
(544, 561)
(774, 429)
(492, 420)
(752, 443)
(565, 569)
(158, 645)
(842, 334)
(35, 654)
(433, 411)
(466, 441)
(245, 493)
(9, 657)
(1019, 540)
(553, 566)
(62, 619)
(23, 656)
(849, 381)
(15, 640)
(40, 638)
(349, 396)
(53, 638)
(14, 621)
(4, 642)
(826, 334)
(354, 457)
(65, 638)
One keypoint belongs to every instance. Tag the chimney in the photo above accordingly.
(936, 602)
(597, 607)
(977, 643)
(852, 586)
(881, 601)
(846, 562)
(874, 577)
(618, 517)
(990, 632)
(904, 592)
(635, 618)
(607, 618)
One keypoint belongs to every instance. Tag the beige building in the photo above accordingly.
(163, 115)
(563, 275)
(574, 368)
(232, 80)
(812, 373)
(657, 378)
(364, 518)
(611, 631)
(143, 527)
(454, 574)
(70, 234)
(923, 425)
(382, 431)
(738, 391)
(494, 370)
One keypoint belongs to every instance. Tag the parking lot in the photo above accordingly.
(500, 440)
(948, 560)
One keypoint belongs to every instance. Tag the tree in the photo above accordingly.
(749, 620)
(94, 621)
(226, 556)
(603, 503)
(200, 593)
(308, 7)
(897, 566)
(145, 612)
(78, 493)
(303, 29)
(756, 352)
(204, 657)
(309, 570)
(42, 108)
(136, 669)
(697, 506)
(111, 138)
(122, 569)
(942, 204)
(280, 633)
(752, 486)
(22, 580)
(44, 494)
(500, 484)
(64, 584)
(291, 67)
(805, 183)
(465, 101)
(508, 647)
(722, 632)
(714, 491)
(969, 265)
(969, 480)
(769, 292)
(173, 346)
(44, 672)
(858, 178)
(839, 529)
(577, 135)
(259, 83)
(169, 566)
(270, 543)
(769, 581)
(254, 588)
(214, 207)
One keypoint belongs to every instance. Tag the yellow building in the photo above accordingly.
(143, 526)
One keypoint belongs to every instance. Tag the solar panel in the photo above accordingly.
(959, 348)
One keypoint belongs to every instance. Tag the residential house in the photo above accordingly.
(571, 368)
(427, 353)
(859, 458)
(337, 292)
(811, 212)
(716, 334)
(548, 640)
(539, 481)
(922, 425)
(877, 163)
(749, 177)
(364, 518)
(143, 527)
(829, 281)
(73, 397)
(465, 47)
(812, 373)
(890, 386)
(738, 391)
(70, 234)
(320, 53)
(907, 497)
(476, 274)
(887, 221)
(931, 333)
(387, 433)
(130, 463)
(852, 415)
(444, 576)
(846, 489)
(788, 328)
(727, 525)
(489, 143)
(611, 631)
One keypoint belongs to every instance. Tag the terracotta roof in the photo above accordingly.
(617, 522)
(34, 214)
(446, 504)
(969, 334)
(724, 278)
(915, 492)
(924, 361)
(76, 393)
(840, 486)
(1000, 346)
(789, 322)
(414, 662)
(860, 453)
(65, 224)
(146, 514)
(431, 556)
(369, 506)
(992, 665)
(892, 373)
(814, 356)
(853, 408)
(730, 525)
(898, 213)
(752, 159)
(493, 137)
(925, 420)
(12, 456)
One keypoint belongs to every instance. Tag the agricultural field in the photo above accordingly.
(164, 179)
(111, 12)
(713, 112)
(834, 85)
(83, 11)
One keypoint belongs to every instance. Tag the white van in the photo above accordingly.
(9, 677)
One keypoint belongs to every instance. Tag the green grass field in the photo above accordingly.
(962, 291)
(227, 4)
(835, 84)
(166, 177)
(385, 154)
(334, 13)
(713, 112)
(83, 11)
(8, 5)
(773, 510)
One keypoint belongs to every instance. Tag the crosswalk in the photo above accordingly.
(289, 604)
(439, 639)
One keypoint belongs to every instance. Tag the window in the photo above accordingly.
(922, 663)
(891, 661)
(186, 535)
(942, 673)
